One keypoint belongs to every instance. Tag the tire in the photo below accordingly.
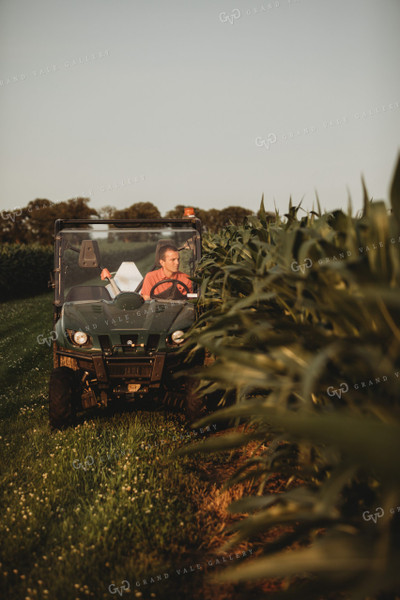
(63, 397)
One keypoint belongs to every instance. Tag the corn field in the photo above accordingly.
(301, 318)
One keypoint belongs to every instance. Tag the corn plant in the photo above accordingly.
(302, 318)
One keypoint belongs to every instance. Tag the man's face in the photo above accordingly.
(170, 264)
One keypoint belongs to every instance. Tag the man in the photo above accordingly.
(169, 261)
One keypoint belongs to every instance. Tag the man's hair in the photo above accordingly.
(164, 250)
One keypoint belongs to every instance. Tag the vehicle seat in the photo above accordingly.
(128, 278)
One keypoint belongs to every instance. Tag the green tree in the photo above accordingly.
(233, 214)
(106, 212)
(35, 222)
(13, 228)
(39, 221)
(207, 217)
(42, 214)
(213, 220)
(140, 210)
(176, 213)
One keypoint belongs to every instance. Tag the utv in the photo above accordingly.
(109, 342)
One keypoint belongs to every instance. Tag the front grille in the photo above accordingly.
(129, 342)
(139, 371)
(105, 343)
(153, 341)
(132, 338)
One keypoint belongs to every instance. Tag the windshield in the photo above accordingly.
(128, 254)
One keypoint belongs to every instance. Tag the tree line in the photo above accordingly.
(35, 222)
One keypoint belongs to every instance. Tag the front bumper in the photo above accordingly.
(146, 370)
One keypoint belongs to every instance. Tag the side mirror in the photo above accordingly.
(89, 255)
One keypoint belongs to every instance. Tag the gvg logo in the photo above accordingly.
(53, 335)
(367, 516)
(88, 463)
(224, 18)
(307, 264)
(10, 215)
(343, 388)
(271, 139)
(124, 587)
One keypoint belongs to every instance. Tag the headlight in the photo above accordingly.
(80, 338)
(178, 337)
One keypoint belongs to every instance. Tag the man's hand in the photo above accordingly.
(105, 274)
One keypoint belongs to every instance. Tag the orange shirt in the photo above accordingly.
(158, 275)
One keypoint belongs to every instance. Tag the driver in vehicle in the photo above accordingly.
(169, 261)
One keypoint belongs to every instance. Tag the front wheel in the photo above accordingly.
(63, 396)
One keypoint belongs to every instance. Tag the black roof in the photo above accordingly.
(71, 223)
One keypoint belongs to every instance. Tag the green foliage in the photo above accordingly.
(139, 210)
(97, 504)
(35, 222)
(212, 220)
(301, 316)
(24, 270)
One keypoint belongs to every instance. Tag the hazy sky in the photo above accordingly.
(209, 103)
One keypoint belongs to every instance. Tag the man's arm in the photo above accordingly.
(185, 279)
(146, 287)
(105, 274)
(188, 282)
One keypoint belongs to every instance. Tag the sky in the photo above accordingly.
(210, 103)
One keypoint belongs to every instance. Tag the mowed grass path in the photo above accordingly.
(96, 505)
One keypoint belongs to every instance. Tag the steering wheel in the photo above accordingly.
(171, 291)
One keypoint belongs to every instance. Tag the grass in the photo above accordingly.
(92, 506)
